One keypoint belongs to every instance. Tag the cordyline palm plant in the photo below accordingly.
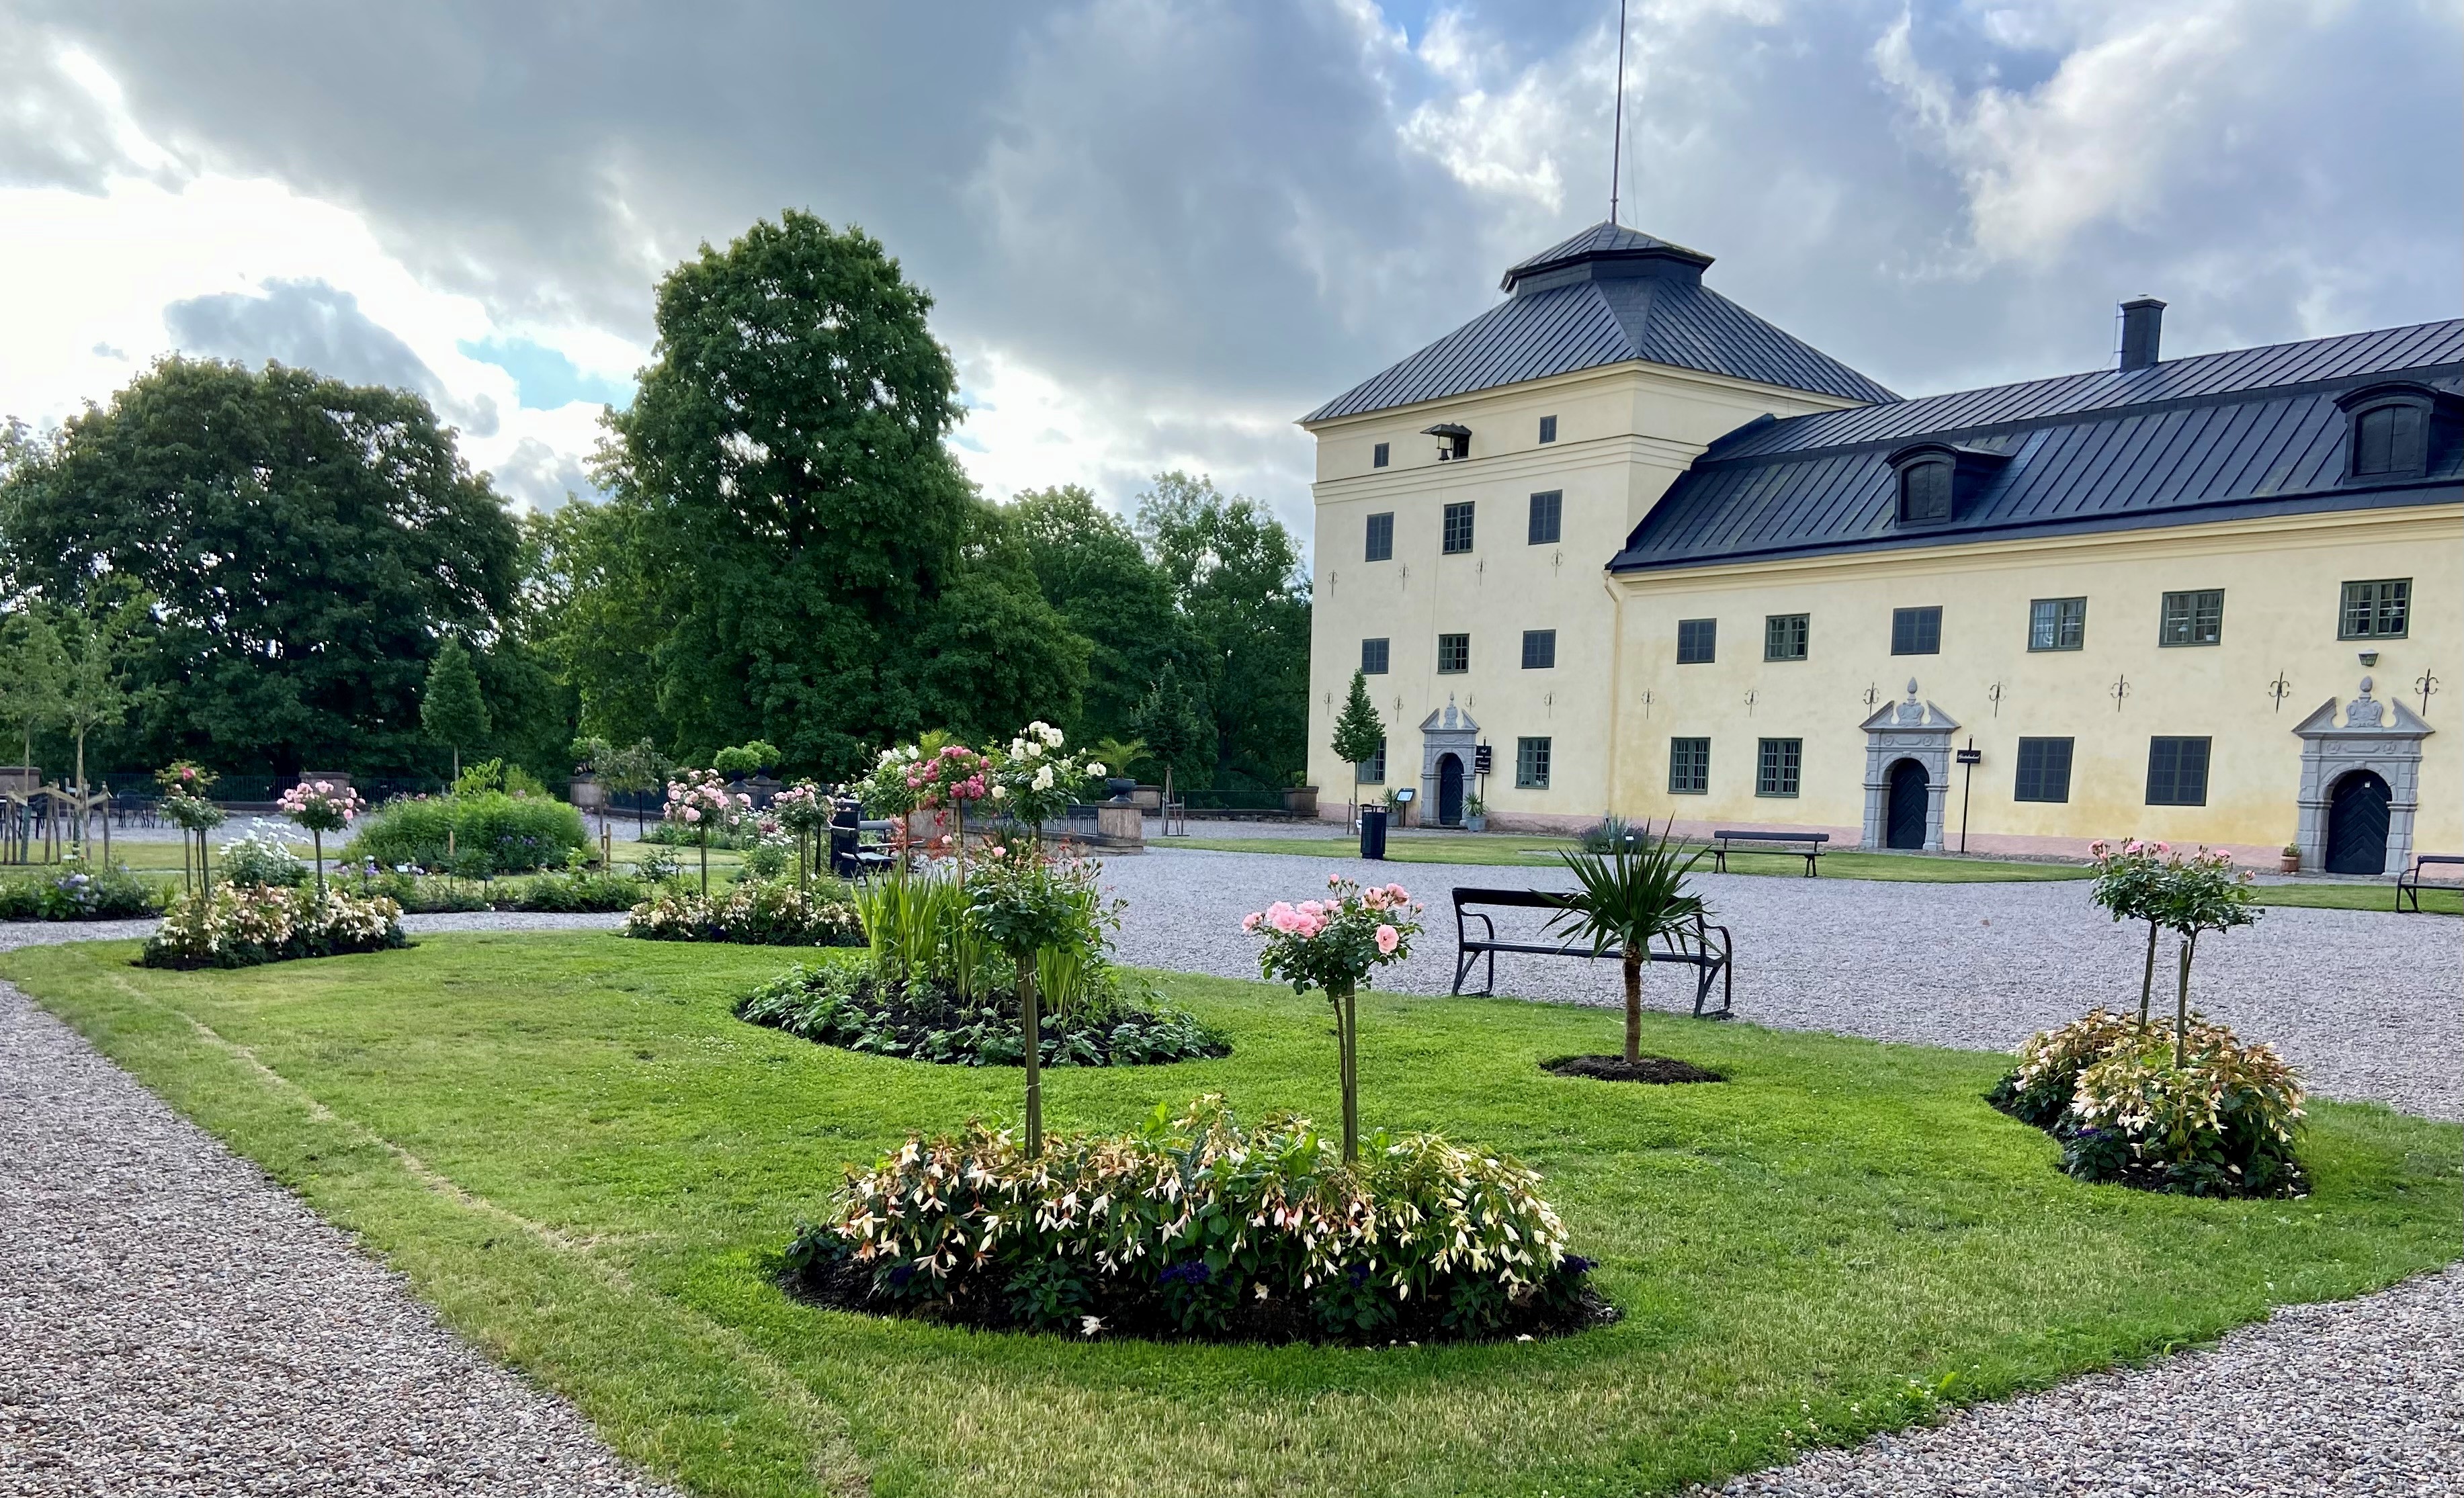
(1628, 898)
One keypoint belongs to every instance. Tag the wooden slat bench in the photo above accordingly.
(1807, 846)
(1705, 948)
(2410, 879)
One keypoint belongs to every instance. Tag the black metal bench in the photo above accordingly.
(2410, 879)
(1809, 851)
(1709, 958)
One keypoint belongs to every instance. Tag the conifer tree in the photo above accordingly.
(451, 708)
(1359, 734)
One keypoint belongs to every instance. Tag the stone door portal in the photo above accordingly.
(1450, 798)
(2357, 825)
(1905, 824)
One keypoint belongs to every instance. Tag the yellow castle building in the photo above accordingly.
(1630, 549)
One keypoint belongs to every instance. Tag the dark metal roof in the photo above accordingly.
(1608, 296)
(2215, 436)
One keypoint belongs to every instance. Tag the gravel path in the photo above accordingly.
(2365, 1002)
(2357, 1398)
(173, 1322)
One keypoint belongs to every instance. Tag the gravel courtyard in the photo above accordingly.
(2365, 1002)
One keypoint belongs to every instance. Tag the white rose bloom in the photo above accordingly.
(1043, 778)
(999, 792)
(1052, 736)
(1095, 768)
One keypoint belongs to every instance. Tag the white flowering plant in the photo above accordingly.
(1036, 779)
(240, 926)
(1193, 1225)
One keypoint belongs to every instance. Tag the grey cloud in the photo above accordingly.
(53, 132)
(538, 476)
(1206, 204)
(313, 325)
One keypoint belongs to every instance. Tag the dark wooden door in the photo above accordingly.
(2357, 825)
(1903, 824)
(1449, 791)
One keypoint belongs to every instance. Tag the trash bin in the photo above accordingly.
(1372, 832)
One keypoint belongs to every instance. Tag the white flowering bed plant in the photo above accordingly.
(1197, 1227)
(242, 925)
(762, 913)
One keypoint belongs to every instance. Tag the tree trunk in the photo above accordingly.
(1346, 1040)
(1633, 1008)
(705, 863)
(1034, 1025)
(2182, 1002)
(317, 839)
(2147, 976)
(80, 785)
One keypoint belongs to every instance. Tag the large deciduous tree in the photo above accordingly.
(305, 543)
(1236, 577)
(1091, 567)
(790, 552)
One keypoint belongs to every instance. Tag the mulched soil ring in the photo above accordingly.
(1663, 1070)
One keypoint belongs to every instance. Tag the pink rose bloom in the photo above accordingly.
(1310, 907)
(1397, 892)
(1249, 921)
(2133, 846)
(1332, 879)
(2163, 847)
(1389, 939)
(692, 814)
(1281, 916)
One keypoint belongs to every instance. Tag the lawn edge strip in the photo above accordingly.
(539, 1319)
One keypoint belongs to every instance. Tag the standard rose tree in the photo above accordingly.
(321, 807)
(1333, 944)
(1035, 780)
(699, 801)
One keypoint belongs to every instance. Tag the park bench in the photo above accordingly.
(1699, 948)
(850, 856)
(1809, 847)
(2410, 879)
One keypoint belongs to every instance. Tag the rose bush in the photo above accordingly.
(1333, 944)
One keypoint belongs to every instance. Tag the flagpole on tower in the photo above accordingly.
(1617, 147)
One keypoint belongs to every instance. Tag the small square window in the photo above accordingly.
(2192, 619)
(1548, 428)
(1784, 637)
(2177, 771)
(1916, 632)
(2376, 610)
(1539, 650)
(1548, 512)
(2044, 771)
(1698, 640)
(1454, 654)
(1373, 657)
(1689, 766)
(1381, 537)
(1776, 771)
(1377, 456)
(1531, 764)
(2056, 623)
(1458, 527)
(1373, 772)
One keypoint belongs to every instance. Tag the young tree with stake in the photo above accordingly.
(451, 709)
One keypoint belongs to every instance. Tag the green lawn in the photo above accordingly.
(2447, 901)
(1529, 852)
(566, 1142)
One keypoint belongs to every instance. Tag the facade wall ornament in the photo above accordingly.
(2382, 738)
(1910, 729)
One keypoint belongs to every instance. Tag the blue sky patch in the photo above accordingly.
(545, 378)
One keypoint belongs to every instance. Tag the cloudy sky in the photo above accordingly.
(1159, 231)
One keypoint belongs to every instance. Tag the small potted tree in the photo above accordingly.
(2290, 860)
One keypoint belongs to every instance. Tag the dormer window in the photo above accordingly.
(2396, 429)
(1936, 481)
(1454, 441)
(1925, 492)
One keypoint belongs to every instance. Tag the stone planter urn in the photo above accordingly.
(1301, 801)
(1475, 821)
(2288, 863)
(1118, 788)
(585, 794)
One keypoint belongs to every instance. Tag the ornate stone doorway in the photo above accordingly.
(1916, 734)
(2377, 742)
(1447, 737)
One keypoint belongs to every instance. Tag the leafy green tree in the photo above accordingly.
(98, 645)
(303, 541)
(994, 654)
(1628, 899)
(1360, 733)
(1090, 566)
(451, 708)
(1173, 721)
(1236, 580)
(2203, 892)
(34, 674)
(794, 518)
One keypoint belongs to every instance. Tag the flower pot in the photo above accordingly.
(1301, 801)
(2289, 863)
(1475, 821)
(1118, 788)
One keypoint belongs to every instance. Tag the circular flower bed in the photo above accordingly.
(2220, 1121)
(241, 925)
(1198, 1227)
(762, 913)
(1659, 1070)
(931, 1020)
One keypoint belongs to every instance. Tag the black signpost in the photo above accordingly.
(1969, 759)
